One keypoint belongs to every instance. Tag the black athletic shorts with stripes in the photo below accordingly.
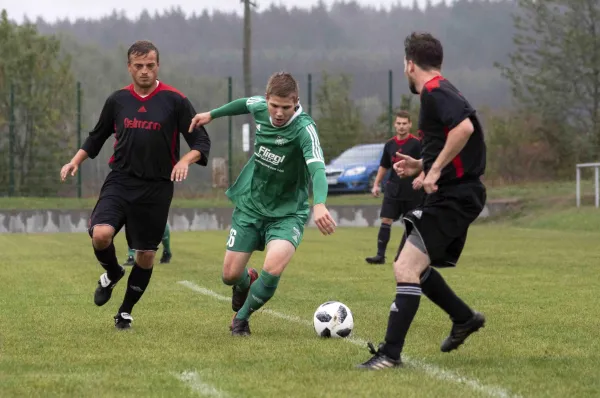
(443, 219)
(142, 206)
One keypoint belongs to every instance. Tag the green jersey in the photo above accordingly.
(275, 181)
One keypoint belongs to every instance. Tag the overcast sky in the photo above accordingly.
(50, 10)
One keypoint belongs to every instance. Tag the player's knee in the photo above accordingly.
(406, 271)
(145, 259)
(230, 275)
(102, 236)
(387, 221)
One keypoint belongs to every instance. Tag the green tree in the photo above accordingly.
(555, 72)
(339, 122)
(44, 106)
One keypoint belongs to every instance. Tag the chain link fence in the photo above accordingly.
(36, 141)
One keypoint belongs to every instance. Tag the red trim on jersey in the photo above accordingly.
(457, 161)
(173, 147)
(166, 87)
(112, 158)
(161, 87)
(404, 141)
(434, 83)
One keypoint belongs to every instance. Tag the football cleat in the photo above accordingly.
(460, 332)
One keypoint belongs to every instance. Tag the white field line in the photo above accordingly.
(431, 370)
(192, 379)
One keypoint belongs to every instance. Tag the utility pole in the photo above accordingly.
(248, 61)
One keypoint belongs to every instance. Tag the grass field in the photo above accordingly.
(535, 279)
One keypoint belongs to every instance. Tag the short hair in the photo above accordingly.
(141, 47)
(424, 50)
(403, 114)
(282, 84)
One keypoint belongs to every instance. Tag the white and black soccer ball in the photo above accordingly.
(333, 319)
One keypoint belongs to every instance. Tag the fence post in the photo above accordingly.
(390, 102)
(578, 186)
(230, 134)
(596, 187)
(309, 94)
(79, 177)
(11, 144)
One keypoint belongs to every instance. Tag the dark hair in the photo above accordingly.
(141, 47)
(282, 84)
(403, 115)
(424, 50)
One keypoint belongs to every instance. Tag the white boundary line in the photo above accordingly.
(431, 370)
(192, 379)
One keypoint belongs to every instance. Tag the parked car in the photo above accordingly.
(355, 169)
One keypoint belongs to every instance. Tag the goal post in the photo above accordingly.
(578, 168)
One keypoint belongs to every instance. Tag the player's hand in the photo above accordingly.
(430, 181)
(418, 182)
(199, 120)
(407, 166)
(180, 171)
(376, 190)
(323, 219)
(69, 168)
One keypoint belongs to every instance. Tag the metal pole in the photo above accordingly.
(596, 186)
(79, 178)
(391, 102)
(578, 186)
(11, 145)
(230, 134)
(309, 94)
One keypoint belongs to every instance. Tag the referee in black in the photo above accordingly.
(146, 119)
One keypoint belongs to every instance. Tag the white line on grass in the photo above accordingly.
(432, 370)
(192, 380)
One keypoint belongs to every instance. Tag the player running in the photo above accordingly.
(271, 193)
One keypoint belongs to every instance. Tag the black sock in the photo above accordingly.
(402, 242)
(402, 312)
(108, 260)
(138, 281)
(437, 290)
(383, 238)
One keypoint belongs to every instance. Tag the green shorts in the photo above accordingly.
(249, 233)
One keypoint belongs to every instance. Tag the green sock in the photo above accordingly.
(260, 292)
(242, 283)
(166, 240)
(130, 252)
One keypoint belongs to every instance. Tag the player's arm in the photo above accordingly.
(454, 113)
(197, 139)
(233, 108)
(384, 165)
(313, 155)
(104, 128)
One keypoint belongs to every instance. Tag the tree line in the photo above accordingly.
(548, 63)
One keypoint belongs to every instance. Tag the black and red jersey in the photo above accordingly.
(443, 108)
(147, 131)
(396, 187)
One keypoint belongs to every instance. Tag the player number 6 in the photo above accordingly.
(232, 235)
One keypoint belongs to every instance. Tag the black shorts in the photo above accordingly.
(442, 221)
(396, 208)
(141, 206)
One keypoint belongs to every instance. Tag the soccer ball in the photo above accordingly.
(333, 319)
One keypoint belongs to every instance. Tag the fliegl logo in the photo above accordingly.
(270, 157)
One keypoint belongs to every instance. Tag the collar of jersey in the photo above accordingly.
(299, 111)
